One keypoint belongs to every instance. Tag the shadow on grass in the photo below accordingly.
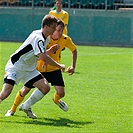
(77, 72)
(60, 122)
(52, 122)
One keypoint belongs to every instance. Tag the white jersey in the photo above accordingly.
(25, 58)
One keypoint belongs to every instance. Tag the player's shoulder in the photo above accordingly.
(65, 12)
(37, 31)
(65, 37)
(37, 34)
(52, 11)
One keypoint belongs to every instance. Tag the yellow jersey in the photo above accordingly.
(64, 41)
(63, 15)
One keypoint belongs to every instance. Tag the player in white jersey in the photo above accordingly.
(22, 64)
(23, 60)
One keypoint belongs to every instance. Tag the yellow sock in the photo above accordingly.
(19, 98)
(56, 98)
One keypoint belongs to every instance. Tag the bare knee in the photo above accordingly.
(60, 91)
(45, 89)
(61, 94)
(6, 91)
(43, 86)
(24, 91)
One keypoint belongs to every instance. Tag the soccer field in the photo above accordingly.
(99, 95)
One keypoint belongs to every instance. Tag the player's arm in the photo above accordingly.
(71, 69)
(41, 65)
(44, 57)
(66, 19)
(52, 49)
(74, 58)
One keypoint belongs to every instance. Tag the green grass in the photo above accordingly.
(99, 95)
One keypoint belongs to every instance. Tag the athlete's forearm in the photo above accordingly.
(52, 49)
(46, 58)
(74, 58)
(50, 61)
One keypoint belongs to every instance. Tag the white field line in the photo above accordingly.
(102, 54)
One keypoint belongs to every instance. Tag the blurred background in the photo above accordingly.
(91, 22)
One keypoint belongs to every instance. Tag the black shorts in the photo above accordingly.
(54, 77)
(30, 83)
(9, 81)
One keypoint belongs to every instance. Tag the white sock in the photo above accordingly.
(36, 96)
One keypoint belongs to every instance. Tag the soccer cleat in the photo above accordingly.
(63, 105)
(9, 113)
(28, 112)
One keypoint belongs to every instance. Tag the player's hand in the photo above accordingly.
(70, 70)
(62, 67)
(53, 48)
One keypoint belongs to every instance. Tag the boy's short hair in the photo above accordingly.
(49, 20)
(57, 1)
(61, 22)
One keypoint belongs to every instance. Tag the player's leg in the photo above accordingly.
(58, 84)
(43, 88)
(60, 93)
(7, 87)
(12, 76)
(9, 81)
(18, 99)
(36, 96)
(6, 91)
(59, 87)
(35, 79)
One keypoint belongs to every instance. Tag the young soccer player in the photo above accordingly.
(54, 49)
(60, 14)
(22, 64)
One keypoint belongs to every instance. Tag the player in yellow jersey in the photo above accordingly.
(60, 14)
(52, 74)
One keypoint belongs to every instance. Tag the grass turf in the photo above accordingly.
(99, 95)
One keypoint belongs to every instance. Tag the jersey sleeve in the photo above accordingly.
(51, 12)
(39, 47)
(66, 18)
(70, 45)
